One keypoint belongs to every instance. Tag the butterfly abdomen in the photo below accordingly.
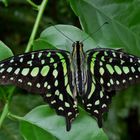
(79, 66)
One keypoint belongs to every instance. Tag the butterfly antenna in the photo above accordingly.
(94, 31)
(63, 34)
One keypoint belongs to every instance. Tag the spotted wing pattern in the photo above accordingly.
(46, 72)
(108, 70)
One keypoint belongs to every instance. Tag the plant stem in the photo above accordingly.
(15, 117)
(4, 113)
(29, 45)
(6, 107)
(33, 4)
(36, 25)
(5, 2)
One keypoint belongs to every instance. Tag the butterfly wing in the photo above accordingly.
(108, 70)
(115, 69)
(46, 72)
(96, 99)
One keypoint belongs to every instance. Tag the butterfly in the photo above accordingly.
(60, 77)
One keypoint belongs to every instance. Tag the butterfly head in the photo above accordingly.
(77, 46)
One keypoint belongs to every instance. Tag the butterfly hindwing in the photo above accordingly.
(96, 100)
(46, 72)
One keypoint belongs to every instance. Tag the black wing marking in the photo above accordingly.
(46, 72)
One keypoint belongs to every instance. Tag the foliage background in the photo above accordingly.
(16, 22)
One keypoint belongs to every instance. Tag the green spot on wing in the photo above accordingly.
(118, 70)
(61, 97)
(139, 69)
(110, 68)
(91, 91)
(92, 62)
(69, 90)
(51, 60)
(64, 68)
(101, 70)
(45, 70)
(9, 69)
(103, 58)
(125, 69)
(35, 71)
(66, 80)
(111, 81)
(55, 73)
(49, 54)
(25, 71)
(132, 69)
(60, 55)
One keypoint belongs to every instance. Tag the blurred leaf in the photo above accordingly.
(54, 35)
(24, 100)
(5, 2)
(41, 44)
(5, 52)
(32, 132)
(118, 32)
(5, 91)
(10, 131)
(45, 118)
(2, 92)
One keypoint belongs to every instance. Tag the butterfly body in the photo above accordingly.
(60, 76)
(79, 68)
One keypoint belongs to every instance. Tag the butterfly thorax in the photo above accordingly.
(78, 58)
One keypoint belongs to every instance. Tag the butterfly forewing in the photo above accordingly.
(46, 72)
(115, 69)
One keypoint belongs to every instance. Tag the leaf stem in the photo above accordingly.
(29, 45)
(4, 113)
(15, 117)
(33, 4)
(5, 2)
(36, 25)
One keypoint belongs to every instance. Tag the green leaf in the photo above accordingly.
(2, 92)
(48, 123)
(121, 31)
(5, 52)
(22, 99)
(5, 2)
(41, 44)
(61, 36)
(32, 132)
